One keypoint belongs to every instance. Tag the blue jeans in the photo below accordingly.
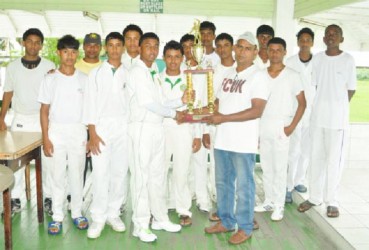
(230, 166)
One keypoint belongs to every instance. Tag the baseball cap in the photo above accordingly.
(265, 29)
(92, 38)
(249, 37)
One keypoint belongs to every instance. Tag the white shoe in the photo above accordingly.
(265, 207)
(117, 224)
(278, 213)
(166, 225)
(95, 229)
(144, 235)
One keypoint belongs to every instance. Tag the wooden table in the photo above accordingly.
(17, 149)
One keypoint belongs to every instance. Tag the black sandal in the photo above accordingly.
(333, 212)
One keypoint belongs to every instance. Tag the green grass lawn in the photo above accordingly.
(359, 105)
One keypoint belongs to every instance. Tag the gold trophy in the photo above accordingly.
(198, 52)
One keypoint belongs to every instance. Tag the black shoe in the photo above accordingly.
(15, 205)
(48, 206)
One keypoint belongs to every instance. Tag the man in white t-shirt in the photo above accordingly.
(300, 138)
(334, 75)
(180, 151)
(22, 84)
(105, 111)
(241, 100)
(64, 136)
(148, 107)
(264, 33)
(282, 113)
(131, 55)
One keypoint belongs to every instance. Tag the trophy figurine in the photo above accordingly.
(198, 52)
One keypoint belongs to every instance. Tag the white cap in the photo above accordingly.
(249, 37)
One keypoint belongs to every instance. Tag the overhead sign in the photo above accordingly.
(151, 6)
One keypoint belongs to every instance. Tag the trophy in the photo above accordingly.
(198, 52)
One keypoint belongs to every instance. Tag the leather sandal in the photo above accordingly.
(185, 221)
(305, 206)
(333, 212)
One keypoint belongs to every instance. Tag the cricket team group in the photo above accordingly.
(130, 118)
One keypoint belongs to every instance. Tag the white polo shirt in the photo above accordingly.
(129, 61)
(235, 95)
(25, 84)
(333, 76)
(65, 96)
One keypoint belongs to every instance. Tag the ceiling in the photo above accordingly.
(58, 17)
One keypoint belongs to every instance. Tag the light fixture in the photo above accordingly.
(91, 15)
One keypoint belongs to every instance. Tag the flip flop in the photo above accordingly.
(333, 212)
(185, 221)
(54, 227)
(81, 223)
(305, 206)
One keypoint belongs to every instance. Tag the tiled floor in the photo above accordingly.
(353, 222)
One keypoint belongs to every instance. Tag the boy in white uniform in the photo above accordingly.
(131, 55)
(198, 176)
(283, 111)
(64, 136)
(148, 107)
(334, 74)
(264, 33)
(241, 101)
(207, 31)
(173, 85)
(106, 113)
(22, 84)
(300, 138)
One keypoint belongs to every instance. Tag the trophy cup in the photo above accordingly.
(198, 52)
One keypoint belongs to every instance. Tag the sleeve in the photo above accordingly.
(197, 133)
(259, 88)
(9, 81)
(314, 79)
(159, 109)
(44, 94)
(89, 113)
(351, 80)
(298, 85)
(173, 103)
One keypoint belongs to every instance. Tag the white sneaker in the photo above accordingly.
(144, 234)
(278, 213)
(95, 229)
(166, 225)
(117, 224)
(265, 207)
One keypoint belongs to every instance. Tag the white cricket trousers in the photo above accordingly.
(30, 123)
(274, 146)
(327, 162)
(299, 154)
(148, 173)
(178, 142)
(110, 168)
(69, 142)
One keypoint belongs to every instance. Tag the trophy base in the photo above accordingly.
(196, 118)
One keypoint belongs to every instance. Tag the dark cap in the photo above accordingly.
(92, 38)
(265, 29)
